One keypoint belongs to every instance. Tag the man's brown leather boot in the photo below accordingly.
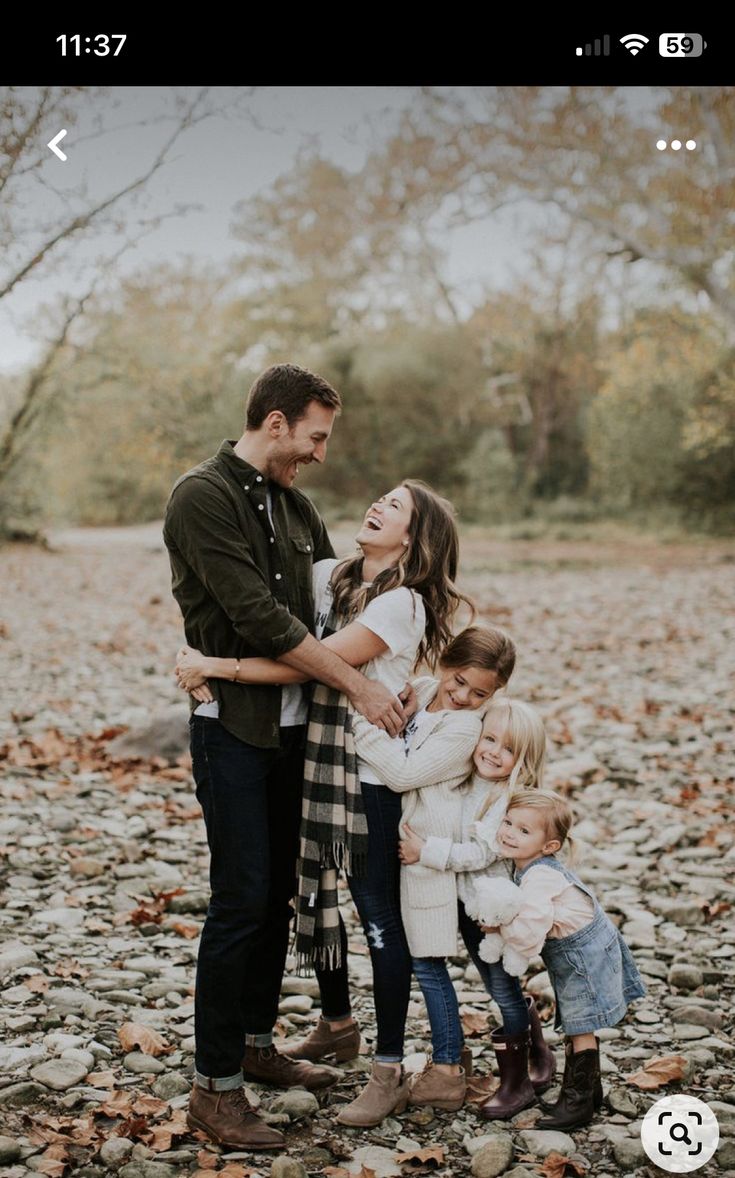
(265, 1065)
(324, 1043)
(230, 1120)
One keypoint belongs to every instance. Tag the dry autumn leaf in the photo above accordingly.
(207, 1160)
(184, 929)
(132, 1035)
(556, 1165)
(101, 1079)
(164, 1134)
(474, 1022)
(423, 1157)
(661, 1070)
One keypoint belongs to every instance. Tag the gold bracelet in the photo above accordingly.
(237, 671)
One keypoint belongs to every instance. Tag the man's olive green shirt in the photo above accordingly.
(243, 585)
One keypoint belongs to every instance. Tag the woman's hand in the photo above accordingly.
(409, 848)
(202, 694)
(191, 669)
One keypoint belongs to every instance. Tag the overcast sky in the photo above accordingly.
(216, 164)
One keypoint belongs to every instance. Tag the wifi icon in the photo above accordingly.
(634, 42)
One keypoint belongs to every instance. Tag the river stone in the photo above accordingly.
(63, 918)
(629, 1153)
(285, 1167)
(541, 1142)
(685, 977)
(116, 1150)
(171, 1085)
(60, 1074)
(19, 1095)
(296, 1004)
(66, 1000)
(165, 734)
(687, 1031)
(86, 867)
(494, 1157)
(81, 1056)
(378, 1158)
(138, 1061)
(9, 1151)
(143, 1168)
(14, 957)
(473, 1145)
(295, 985)
(621, 1101)
(698, 1016)
(296, 1103)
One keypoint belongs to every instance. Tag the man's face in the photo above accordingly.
(306, 441)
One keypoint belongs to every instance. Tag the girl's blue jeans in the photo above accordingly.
(441, 998)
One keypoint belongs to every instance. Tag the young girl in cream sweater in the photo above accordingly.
(455, 794)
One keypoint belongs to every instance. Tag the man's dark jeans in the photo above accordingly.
(251, 798)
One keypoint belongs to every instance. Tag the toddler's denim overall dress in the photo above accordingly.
(592, 971)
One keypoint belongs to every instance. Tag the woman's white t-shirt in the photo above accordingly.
(397, 616)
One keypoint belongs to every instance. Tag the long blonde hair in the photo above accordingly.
(428, 565)
(522, 729)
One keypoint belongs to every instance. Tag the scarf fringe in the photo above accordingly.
(328, 957)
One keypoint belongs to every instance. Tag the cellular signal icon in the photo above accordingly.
(634, 42)
(601, 48)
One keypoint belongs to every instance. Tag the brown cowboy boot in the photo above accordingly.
(549, 1105)
(439, 1089)
(324, 1043)
(265, 1065)
(229, 1119)
(541, 1059)
(581, 1092)
(385, 1092)
(516, 1091)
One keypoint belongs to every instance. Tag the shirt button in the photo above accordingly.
(272, 539)
(261, 506)
(258, 478)
(278, 576)
(308, 547)
(247, 486)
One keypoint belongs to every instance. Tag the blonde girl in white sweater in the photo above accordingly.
(448, 838)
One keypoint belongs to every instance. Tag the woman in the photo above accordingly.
(384, 610)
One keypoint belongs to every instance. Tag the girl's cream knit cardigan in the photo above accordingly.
(438, 762)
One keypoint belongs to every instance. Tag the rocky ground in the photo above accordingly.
(628, 653)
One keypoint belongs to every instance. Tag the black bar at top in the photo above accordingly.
(298, 51)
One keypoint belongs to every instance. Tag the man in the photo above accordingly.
(242, 542)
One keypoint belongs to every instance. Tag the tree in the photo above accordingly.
(589, 156)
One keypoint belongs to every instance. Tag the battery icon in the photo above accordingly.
(681, 45)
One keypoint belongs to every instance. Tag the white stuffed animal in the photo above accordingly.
(498, 901)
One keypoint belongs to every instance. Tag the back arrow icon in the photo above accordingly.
(53, 145)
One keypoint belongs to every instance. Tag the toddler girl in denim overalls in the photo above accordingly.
(591, 968)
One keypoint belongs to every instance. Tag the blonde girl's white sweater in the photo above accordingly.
(475, 853)
(428, 775)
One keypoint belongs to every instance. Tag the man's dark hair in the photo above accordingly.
(290, 389)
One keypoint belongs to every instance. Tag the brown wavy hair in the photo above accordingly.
(428, 566)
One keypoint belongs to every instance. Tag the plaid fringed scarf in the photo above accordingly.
(333, 824)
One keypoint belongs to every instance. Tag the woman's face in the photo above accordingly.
(464, 687)
(384, 529)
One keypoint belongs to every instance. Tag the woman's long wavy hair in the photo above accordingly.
(428, 566)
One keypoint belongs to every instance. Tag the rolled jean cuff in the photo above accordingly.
(218, 1083)
(264, 1040)
(388, 1058)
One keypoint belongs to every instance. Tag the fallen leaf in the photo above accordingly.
(132, 1035)
(163, 1135)
(149, 1106)
(556, 1166)
(337, 1172)
(101, 1079)
(207, 1160)
(37, 983)
(233, 1170)
(423, 1157)
(661, 1070)
(186, 930)
(474, 1022)
(119, 1104)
